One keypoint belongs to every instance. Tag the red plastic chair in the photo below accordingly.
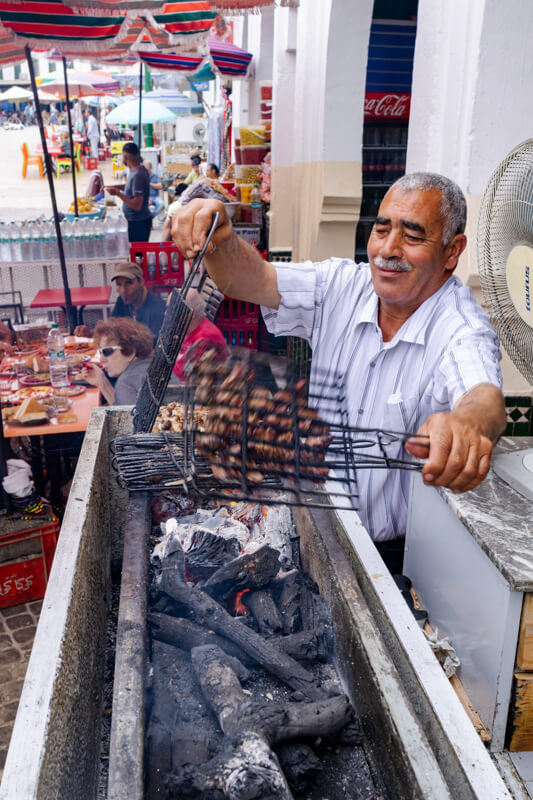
(29, 160)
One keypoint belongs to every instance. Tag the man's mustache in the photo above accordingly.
(392, 264)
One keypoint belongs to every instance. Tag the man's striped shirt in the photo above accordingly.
(446, 347)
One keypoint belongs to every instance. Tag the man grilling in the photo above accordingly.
(416, 350)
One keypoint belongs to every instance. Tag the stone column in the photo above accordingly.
(471, 104)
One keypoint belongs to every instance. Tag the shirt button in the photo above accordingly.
(360, 410)
(372, 364)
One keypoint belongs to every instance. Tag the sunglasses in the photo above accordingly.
(108, 351)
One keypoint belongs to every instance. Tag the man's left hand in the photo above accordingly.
(459, 456)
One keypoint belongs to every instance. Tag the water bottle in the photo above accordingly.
(35, 241)
(5, 245)
(66, 237)
(150, 266)
(111, 236)
(123, 243)
(25, 242)
(257, 209)
(14, 241)
(99, 240)
(174, 261)
(163, 264)
(78, 238)
(88, 238)
(56, 354)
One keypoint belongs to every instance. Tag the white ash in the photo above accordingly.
(250, 524)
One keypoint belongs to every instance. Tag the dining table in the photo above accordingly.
(81, 296)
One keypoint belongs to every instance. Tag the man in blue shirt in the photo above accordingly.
(135, 196)
(135, 300)
(155, 202)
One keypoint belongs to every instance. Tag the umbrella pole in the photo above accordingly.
(71, 139)
(49, 175)
(140, 105)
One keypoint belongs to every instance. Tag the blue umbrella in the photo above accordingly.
(176, 101)
(128, 113)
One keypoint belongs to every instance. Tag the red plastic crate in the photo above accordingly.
(90, 163)
(239, 322)
(101, 154)
(176, 263)
(24, 574)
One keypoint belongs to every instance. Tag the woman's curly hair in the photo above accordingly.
(131, 336)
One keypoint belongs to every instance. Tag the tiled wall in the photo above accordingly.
(519, 422)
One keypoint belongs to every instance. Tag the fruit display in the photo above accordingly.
(86, 205)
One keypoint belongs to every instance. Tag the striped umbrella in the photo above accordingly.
(83, 83)
(11, 51)
(228, 59)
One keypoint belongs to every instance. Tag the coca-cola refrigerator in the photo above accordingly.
(384, 151)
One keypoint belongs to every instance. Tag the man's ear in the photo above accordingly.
(454, 250)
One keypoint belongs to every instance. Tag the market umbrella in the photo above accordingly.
(128, 113)
(82, 84)
(177, 102)
(44, 97)
(228, 59)
(84, 32)
(16, 94)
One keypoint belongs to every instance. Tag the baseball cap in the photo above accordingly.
(127, 269)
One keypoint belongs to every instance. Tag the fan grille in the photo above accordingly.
(505, 221)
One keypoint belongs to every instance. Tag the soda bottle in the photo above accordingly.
(56, 355)
(150, 265)
(174, 261)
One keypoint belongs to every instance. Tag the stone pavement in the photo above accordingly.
(17, 631)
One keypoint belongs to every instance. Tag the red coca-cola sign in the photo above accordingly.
(387, 105)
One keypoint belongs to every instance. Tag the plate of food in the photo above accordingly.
(74, 359)
(25, 350)
(37, 392)
(37, 379)
(30, 412)
(77, 348)
(7, 371)
(70, 391)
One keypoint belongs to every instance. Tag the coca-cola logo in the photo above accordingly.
(382, 105)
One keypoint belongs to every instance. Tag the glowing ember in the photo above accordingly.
(240, 608)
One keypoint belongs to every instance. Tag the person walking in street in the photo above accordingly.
(416, 351)
(93, 134)
(155, 202)
(136, 195)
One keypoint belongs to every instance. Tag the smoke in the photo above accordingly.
(393, 264)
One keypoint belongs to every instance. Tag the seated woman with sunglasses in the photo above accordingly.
(125, 348)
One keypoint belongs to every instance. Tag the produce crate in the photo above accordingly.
(174, 274)
(25, 561)
(90, 163)
(239, 322)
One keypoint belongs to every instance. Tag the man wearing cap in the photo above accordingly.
(136, 195)
(134, 300)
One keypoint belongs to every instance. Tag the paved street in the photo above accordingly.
(29, 198)
(17, 629)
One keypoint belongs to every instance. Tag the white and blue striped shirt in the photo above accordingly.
(446, 347)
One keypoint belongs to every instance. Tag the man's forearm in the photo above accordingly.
(132, 202)
(240, 272)
(483, 407)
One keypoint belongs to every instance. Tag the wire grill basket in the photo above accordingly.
(241, 439)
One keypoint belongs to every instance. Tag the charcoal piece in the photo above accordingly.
(249, 771)
(185, 634)
(273, 722)
(217, 619)
(209, 549)
(311, 646)
(248, 571)
(262, 605)
(286, 591)
(299, 764)
(315, 611)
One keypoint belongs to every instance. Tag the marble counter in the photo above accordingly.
(501, 521)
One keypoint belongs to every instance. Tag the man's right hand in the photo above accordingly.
(82, 330)
(191, 224)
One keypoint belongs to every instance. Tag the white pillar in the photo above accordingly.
(471, 104)
(325, 125)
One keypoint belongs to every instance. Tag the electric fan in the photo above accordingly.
(198, 132)
(505, 259)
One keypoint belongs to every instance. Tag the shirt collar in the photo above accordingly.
(414, 329)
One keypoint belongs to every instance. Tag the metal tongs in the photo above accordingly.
(196, 263)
